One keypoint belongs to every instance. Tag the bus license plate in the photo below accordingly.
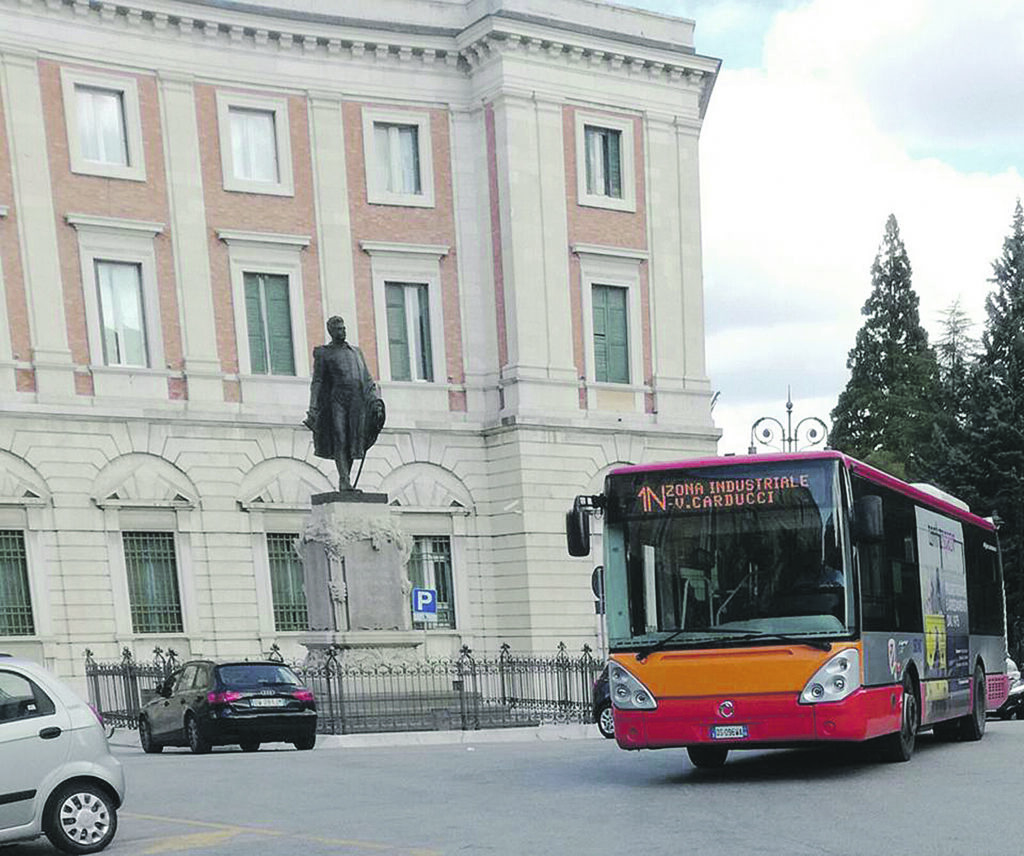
(728, 732)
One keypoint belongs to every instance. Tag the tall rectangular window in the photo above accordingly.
(286, 582)
(269, 318)
(151, 562)
(15, 601)
(397, 157)
(101, 128)
(408, 310)
(253, 144)
(611, 336)
(430, 566)
(604, 161)
(122, 318)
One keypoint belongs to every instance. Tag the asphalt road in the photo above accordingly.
(572, 797)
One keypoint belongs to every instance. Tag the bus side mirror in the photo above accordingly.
(577, 530)
(867, 526)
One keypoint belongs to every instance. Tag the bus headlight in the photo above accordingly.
(627, 692)
(835, 680)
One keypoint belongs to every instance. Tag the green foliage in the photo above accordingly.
(886, 413)
(994, 425)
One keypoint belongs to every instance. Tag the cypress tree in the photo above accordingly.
(995, 422)
(885, 414)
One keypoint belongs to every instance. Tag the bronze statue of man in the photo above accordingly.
(346, 412)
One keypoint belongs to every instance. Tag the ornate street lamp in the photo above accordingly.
(769, 431)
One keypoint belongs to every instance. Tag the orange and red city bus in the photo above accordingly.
(781, 600)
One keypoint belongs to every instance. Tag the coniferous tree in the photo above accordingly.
(885, 414)
(995, 421)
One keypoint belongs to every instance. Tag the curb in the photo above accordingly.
(543, 733)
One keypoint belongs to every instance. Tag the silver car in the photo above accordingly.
(57, 776)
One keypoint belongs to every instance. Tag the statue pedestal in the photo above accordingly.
(354, 558)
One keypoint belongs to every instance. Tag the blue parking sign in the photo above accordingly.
(424, 604)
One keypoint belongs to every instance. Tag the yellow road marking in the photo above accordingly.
(224, 832)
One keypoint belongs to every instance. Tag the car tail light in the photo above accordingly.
(303, 695)
(97, 714)
(223, 697)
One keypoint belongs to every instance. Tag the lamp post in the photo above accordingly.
(769, 431)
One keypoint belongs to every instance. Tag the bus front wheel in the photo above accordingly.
(899, 746)
(707, 757)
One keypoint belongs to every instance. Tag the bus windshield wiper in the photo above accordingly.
(737, 635)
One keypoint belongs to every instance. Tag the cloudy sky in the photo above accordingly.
(827, 116)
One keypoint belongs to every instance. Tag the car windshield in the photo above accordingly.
(239, 675)
(741, 551)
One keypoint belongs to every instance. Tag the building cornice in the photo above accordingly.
(499, 33)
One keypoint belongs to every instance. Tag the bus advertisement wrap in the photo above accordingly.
(947, 667)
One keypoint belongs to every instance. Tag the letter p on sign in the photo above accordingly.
(424, 604)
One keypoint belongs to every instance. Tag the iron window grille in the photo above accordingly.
(286, 582)
(151, 563)
(430, 566)
(15, 598)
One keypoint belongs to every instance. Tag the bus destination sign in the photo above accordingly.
(699, 494)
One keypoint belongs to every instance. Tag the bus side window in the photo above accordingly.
(890, 582)
(984, 588)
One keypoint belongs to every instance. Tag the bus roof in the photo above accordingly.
(854, 466)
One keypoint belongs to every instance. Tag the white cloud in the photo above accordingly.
(800, 169)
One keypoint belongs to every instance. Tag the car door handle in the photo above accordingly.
(50, 733)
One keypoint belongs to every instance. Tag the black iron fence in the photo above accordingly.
(118, 690)
(462, 693)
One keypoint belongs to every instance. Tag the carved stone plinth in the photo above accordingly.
(354, 557)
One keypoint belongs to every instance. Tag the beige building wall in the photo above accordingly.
(514, 424)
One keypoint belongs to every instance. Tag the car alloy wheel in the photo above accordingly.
(606, 722)
(196, 742)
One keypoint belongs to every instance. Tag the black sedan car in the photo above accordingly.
(205, 704)
(602, 706)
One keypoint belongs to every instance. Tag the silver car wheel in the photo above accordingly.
(606, 722)
(84, 818)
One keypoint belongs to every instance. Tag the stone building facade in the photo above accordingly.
(501, 199)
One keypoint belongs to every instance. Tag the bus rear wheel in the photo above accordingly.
(707, 757)
(972, 726)
(899, 746)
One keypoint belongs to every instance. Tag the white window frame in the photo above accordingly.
(23, 514)
(127, 516)
(409, 264)
(377, 195)
(285, 184)
(269, 253)
(626, 129)
(110, 239)
(621, 268)
(128, 87)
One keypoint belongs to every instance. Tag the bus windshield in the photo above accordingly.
(729, 552)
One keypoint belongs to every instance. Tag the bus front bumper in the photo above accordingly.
(765, 719)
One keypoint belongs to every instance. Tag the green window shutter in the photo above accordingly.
(611, 338)
(600, 300)
(613, 163)
(426, 355)
(398, 336)
(254, 321)
(279, 325)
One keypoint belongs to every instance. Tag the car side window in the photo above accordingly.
(185, 679)
(21, 698)
(202, 678)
